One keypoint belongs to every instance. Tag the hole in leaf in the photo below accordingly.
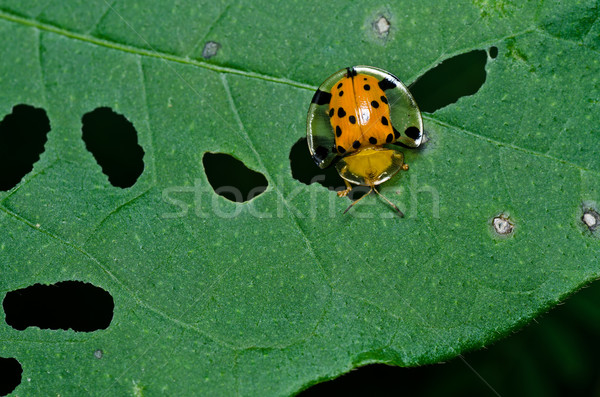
(10, 375)
(230, 178)
(306, 171)
(112, 139)
(452, 79)
(493, 52)
(77, 305)
(23, 134)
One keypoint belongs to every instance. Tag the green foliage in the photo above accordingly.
(211, 303)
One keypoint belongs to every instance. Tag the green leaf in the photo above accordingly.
(277, 293)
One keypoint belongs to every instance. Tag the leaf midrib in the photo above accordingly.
(4, 14)
(145, 52)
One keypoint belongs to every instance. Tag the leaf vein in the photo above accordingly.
(125, 288)
(464, 131)
(210, 29)
(106, 10)
(8, 16)
(242, 132)
(148, 125)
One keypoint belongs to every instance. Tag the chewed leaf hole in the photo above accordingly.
(230, 178)
(23, 134)
(10, 375)
(113, 141)
(450, 80)
(493, 51)
(306, 171)
(76, 305)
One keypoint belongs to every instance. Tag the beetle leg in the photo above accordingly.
(344, 193)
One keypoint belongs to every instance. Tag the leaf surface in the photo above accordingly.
(282, 291)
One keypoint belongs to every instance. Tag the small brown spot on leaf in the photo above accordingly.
(502, 225)
(210, 49)
(382, 26)
(591, 219)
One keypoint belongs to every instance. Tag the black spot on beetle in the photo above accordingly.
(375, 104)
(396, 133)
(341, 150)
(356, 144)
(389, 138)
(384, 120)
(331, 112)
(373, 140)
(339, 86)
(384, 99)
(341, 93)
(352, 120)
(367, 87)
(338, 131)
(321, 97)
(413, 132)
(321, 153)
(341, 112)
(387, 84)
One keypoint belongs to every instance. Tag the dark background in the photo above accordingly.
(556, 355)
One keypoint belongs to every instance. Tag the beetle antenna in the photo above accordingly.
(352, 205)
(390, 203)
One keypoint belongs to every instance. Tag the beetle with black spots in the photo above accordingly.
(353, 118)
